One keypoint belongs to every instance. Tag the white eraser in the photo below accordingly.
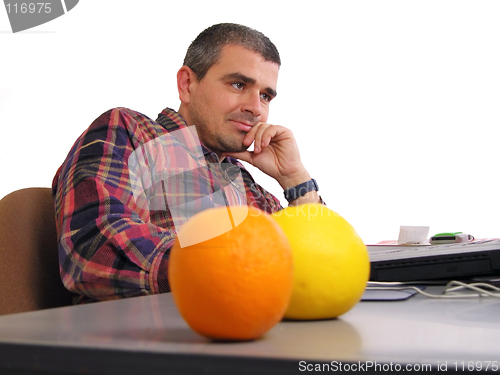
(413, 235)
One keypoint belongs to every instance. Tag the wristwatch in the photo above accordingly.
(300, 190)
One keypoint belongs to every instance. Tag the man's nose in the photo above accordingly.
(253, 103)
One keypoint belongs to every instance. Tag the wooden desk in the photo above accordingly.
(146, 335)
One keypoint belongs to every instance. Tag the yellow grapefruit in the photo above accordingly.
(331, 263)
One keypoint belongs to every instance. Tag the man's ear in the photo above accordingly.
(186, 77)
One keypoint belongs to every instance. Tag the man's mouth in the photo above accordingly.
(243, 125)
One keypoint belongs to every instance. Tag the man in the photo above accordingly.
(128, 181)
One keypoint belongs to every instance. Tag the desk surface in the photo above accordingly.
(147, 335)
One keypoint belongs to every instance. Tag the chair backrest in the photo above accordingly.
(29, 266)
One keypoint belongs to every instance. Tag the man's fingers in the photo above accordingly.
(250, 136)
(264, 134)
(262, 127)
(268, 135)
(261, 135)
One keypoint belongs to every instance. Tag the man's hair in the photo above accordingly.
(205, 50)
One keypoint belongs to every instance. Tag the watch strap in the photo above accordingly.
(300, 190)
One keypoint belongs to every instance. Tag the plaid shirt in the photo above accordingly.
(125, 186)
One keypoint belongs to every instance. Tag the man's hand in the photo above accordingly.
(275, 153)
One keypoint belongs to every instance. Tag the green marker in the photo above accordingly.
(450, 237)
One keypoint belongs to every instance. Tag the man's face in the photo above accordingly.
(232, 97)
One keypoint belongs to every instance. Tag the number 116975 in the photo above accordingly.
(24, 8)
(476, 365)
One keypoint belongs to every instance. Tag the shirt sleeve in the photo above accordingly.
(108, 246)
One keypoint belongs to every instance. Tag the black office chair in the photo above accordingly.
(29, 266)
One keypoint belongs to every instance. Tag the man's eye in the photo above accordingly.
(238, 85)
(265, 97)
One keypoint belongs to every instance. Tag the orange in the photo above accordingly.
(331, 263)
(231, 281)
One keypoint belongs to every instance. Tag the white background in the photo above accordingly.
(395, 104)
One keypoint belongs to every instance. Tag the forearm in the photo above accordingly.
(107, 251)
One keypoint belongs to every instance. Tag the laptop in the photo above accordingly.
(478, 258)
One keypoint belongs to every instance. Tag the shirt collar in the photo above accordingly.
(171, 120)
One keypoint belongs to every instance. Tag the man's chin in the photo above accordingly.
(235, 150)
(227, 144)
(235, 147)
